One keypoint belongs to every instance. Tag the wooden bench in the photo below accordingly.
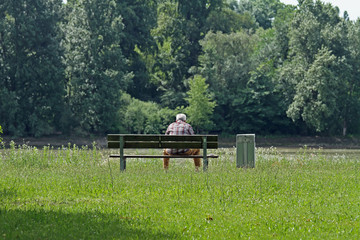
(156, 141)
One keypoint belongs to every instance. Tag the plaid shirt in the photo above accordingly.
(179, 128)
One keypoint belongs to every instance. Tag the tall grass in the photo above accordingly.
(78, 193)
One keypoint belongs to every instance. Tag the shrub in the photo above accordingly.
(144, 117)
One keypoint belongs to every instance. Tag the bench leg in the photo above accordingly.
(122, 158)
(205, 160)
(205, 164)
(122, 163)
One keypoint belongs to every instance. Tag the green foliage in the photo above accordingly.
(282, 24)
(262, 107)
(138, 18)
(1, 132)
(170, 66)
(225, 65)
(95, 64)
(263, 10)
(31, 79)
(315, 100)
(319, 98)
(352, 102)
(228, 21)
(201, 105)
(316, 24)
(64, 67)
(181, 24)
(143, 117)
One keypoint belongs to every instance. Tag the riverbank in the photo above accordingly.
(335, 142)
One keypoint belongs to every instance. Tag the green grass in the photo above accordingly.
(74, 193)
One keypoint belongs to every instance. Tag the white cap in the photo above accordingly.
(181, 116)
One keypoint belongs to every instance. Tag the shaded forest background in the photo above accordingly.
(101, 66)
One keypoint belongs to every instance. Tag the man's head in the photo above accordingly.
(181, 117)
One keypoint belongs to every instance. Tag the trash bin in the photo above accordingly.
(245, 150)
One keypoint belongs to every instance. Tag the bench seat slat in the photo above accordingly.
(158, 137)
(178, 145)
(162, 156)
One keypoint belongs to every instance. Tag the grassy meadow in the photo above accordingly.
(79, 193)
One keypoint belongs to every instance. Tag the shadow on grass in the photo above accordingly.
(40, 224)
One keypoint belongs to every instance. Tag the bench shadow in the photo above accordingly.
(41, 224)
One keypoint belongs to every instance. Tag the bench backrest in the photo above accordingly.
(161, 141)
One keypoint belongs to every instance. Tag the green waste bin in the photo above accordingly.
(245, 150)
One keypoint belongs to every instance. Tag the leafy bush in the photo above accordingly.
(143, 117)
(201, 104)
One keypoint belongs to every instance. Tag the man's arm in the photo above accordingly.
(191, 131)
(168, 130)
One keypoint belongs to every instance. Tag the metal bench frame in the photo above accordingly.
(156, 141)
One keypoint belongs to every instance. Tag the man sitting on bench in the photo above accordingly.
(180, 127)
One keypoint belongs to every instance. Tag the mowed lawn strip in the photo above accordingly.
(78, 193)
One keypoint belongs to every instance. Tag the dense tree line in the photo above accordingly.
(235, 66)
